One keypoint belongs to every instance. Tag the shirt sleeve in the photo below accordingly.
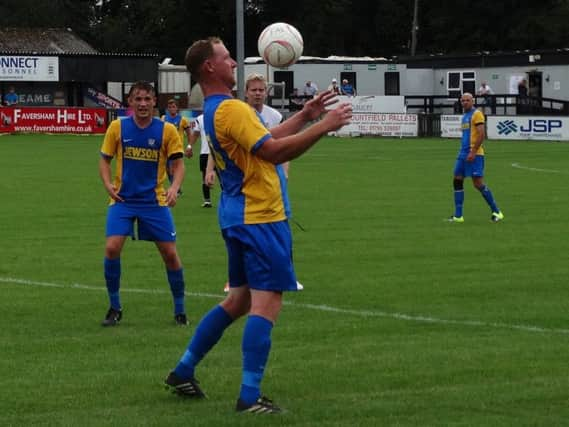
(198, 123)
(478, 118)
(172, 142)
(239, 122)
(112, 139)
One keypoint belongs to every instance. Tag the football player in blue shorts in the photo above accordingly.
(470, 161)
(183, 126)
(253, 213)
(141, 146)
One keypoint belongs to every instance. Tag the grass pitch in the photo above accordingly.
(406, 320)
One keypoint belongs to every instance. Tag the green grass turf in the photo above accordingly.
(405, 320)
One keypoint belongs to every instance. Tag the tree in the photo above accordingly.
(329, 27)
(75, 14)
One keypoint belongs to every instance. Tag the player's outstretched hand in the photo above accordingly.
(338, 117)
(317, 106)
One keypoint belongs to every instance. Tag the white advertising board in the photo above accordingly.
(29, 68)
(528, 127)
(450, 126)
(379, 115)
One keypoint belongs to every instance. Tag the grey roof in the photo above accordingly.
(43, 41)
(52, 41)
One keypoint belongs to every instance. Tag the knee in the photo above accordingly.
(458, 184)
(478, 184)
(236, 306)
(172, 261)
(112, 251)
(267, 307)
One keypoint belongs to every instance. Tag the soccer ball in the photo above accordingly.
(280, 45)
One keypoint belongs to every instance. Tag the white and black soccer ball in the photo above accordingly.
(280, 45)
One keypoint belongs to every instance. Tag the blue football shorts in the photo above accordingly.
(260, 255)
(155, 223)
(473, 169)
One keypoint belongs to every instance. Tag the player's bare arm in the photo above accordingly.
(312, 110)
(481, 135)
(192, 138)
(210, 171)
(178, 171)
(105, 172)
(280, 150)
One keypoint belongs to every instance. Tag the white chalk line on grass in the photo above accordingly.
(315, 307)
(518, 166)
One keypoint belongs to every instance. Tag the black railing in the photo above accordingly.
(499, 104)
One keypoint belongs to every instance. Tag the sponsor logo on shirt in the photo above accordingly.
(138, 153)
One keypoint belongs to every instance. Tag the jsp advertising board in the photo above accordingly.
(513, 127)
(379, 115)
(530, 127)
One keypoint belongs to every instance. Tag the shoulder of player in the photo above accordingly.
(168, 127)
(233, 109)
(115, 125)
(478, 116)
(234, 104)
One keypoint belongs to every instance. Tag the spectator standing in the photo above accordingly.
(522, 97)
(310, 89)
(334, 88)
(486, 91)
(347, 88)
(11, 98)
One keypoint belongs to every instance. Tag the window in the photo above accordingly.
(459, 82)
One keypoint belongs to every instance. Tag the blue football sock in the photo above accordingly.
(256, 346)
(209, 331)
(458, 202)
(112, 268)
(487, 194)
(176, 281)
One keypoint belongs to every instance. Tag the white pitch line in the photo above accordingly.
(518, 166)
(315, 307)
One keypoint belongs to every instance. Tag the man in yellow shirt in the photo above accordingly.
(470, 161)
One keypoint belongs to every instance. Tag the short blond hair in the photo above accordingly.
(255, 77)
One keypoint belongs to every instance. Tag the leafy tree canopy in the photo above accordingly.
(329, 27)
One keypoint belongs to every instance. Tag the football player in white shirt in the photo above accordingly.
(199, 132)
(255, 95)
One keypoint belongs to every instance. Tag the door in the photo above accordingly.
(391, 83)
(283, 76)
(350, 76)
(535, 86)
